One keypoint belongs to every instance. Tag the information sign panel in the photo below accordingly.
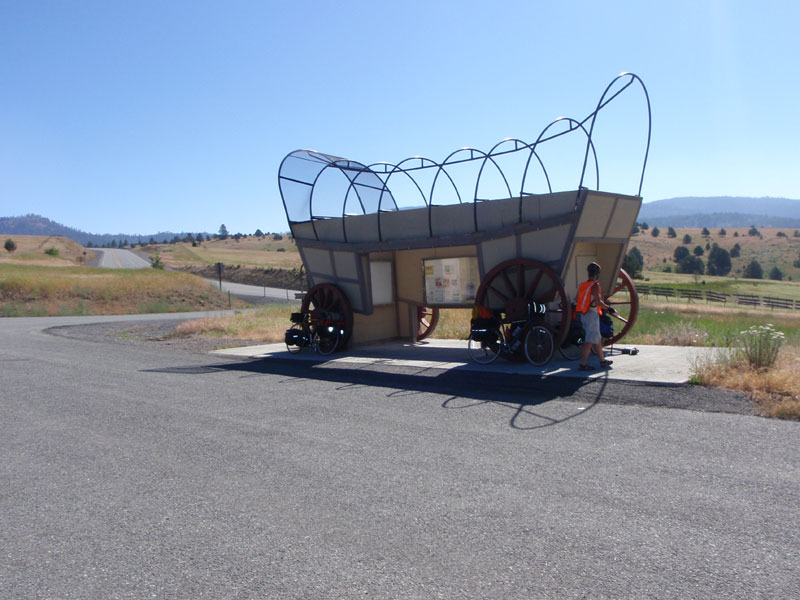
(451, 281)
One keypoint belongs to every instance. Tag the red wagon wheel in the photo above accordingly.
(625, 300)
(515, 283)
(427, 318)
(325, 301)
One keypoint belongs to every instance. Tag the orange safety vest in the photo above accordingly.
(585, 296)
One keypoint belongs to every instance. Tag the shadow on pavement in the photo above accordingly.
(465, 389)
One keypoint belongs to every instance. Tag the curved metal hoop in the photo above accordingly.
(301, 170)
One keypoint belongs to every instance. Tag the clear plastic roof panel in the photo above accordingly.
(563, 157)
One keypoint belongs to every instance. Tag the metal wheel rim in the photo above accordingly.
(624, 284)
(481, 355)
(543, 334)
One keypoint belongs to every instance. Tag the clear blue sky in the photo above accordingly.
(140, 116)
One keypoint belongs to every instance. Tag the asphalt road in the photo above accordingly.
(130, 471)
(118, 258)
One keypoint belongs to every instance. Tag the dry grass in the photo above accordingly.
(266, 324)
(249, 252)
(776, 390)
(31, 251)
(51, 291)
(768, 250)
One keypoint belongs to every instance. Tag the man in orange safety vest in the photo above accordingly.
(589, 304)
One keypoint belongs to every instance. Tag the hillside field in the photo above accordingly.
(31, 251)
(768, 249)
(254, 252)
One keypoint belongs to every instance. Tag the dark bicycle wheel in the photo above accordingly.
(486, 349)
(539, 345)
(327, 341)
(299, 336)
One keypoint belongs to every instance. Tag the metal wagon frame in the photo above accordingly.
(366, 252)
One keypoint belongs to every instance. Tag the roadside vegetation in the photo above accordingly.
(36, 291)
(44, 250)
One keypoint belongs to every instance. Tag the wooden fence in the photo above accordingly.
(692, 295)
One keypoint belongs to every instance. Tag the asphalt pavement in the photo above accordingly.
(134, 471)
(118, 258)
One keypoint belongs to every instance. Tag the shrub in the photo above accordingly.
(719, 261)
(633, 262)
(680, 253)
(735, 234)
(781, 234)
(692, 265)
(51, 251)
(655, 231)
(760, 345)
(776, 274)
(705, 231)
(687, 239)
(753, 232)
(277, 237)
(155, 262)
(671, 232)
(644, 226)
(723, 232)
(753, 270)
(10, 245)
(736, 251)
(698, 251)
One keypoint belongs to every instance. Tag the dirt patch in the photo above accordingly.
(152, 333)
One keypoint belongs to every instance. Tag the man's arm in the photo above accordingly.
(598, 300)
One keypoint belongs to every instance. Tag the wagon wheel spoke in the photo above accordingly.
(522, 289)
(508, 282)
(498, 292)
(427, 318)
(532, 288)
(326, 297)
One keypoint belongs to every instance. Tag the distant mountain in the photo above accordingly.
(38, 225)
(722, 211)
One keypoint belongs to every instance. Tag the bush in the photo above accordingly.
(776, 274)
(705, 231)
(687, 239)
(277, 237)
(723, 232)
(698, 251)
(633, 262)
(692, 265)
(671, 232)
(51, 251)
(753, 232)
(760, 345)
(655, 231)
(155, 262)
(680, 253)
(10, 245)
(753, 270)
(719, 261)
(736, 251)
(781, 234)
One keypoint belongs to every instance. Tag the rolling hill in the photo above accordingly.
(722, 211)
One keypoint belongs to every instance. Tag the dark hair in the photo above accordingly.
(593, 269)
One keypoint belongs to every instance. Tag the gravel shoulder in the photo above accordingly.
(158, 334)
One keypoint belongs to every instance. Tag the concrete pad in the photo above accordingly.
(659, 365)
